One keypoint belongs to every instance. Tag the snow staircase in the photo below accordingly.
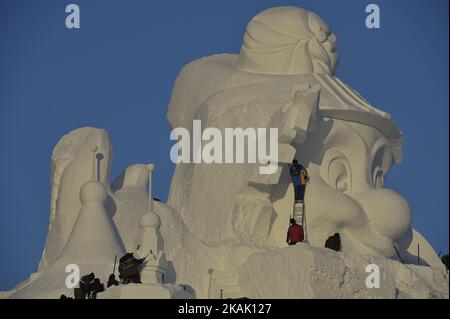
(298, 213)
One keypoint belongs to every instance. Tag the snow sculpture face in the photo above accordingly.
(283, 78)
(347, 163)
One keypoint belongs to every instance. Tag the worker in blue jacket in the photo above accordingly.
(300, 178)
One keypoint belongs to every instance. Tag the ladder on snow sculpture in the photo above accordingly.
(298, 213)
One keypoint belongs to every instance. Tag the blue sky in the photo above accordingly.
(117, 71)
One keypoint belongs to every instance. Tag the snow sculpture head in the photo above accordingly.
(283, 79)
(347, 163)
(288, 40)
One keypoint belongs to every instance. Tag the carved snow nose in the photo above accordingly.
(387, 211)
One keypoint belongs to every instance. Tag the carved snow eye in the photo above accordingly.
(338, 175)
(378, 178)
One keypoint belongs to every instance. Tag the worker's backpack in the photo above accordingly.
(334, 242)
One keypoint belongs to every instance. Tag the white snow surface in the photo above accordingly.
(224, 226)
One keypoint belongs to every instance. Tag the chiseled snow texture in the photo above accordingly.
(71, 167)
(303, 271)
(213, 90)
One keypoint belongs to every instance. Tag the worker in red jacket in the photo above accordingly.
(294, 233)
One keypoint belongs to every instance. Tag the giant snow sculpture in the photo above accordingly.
(224, 225)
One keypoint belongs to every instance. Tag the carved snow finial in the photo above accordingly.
(93, 237)
(150, 220)
(151, 249)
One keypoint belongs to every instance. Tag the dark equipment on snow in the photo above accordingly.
(334, 242)
(112, 278)
(95, 287)
(112, 281)
(88, 288)
(84, 286)
(128, 269)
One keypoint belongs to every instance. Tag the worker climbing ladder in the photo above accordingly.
(298, 213)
